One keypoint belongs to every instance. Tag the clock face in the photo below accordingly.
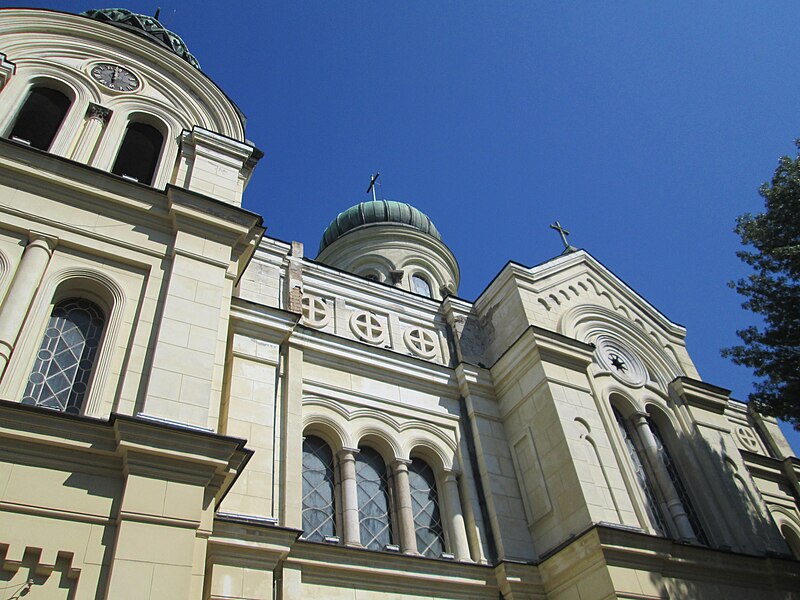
(115, 77)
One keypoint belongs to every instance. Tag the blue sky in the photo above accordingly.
(644, 127)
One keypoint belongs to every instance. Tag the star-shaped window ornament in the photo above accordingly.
(617, 362)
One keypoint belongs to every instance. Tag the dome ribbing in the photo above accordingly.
(377, 212)
(145, 26)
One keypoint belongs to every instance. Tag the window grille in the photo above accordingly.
(652, 505)
(319, 511)
(64, 363)
(425, 507)
(373, 500)
(683, 495)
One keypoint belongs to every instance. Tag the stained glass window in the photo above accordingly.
(651, 499)
(425, 507)
(319, 512)
(373, 500)
(64, 363)
(677, 482)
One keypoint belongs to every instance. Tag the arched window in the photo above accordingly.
(652, 507)
(319, 510)
(425, 507)
(792, 540)
(40, 117)
(64, 363)
(139, 153)
(677, 482)
(373, 500)
(421, 286)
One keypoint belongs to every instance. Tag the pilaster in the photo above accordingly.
(26, 281)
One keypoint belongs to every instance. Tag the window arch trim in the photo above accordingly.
(143, 127)
(74, 84)
(124, 111)
(95, 286)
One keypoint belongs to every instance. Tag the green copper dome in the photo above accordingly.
(145, 26)
(373, 213)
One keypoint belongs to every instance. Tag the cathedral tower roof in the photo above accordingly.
(145, 26)
(377, 212)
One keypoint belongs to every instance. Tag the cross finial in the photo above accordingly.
(564, 233)
(371, 187)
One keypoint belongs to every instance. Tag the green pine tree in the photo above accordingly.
(772, 350)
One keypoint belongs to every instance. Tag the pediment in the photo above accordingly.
(576, 296)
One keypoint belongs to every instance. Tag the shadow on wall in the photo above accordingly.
(738, 523)
(30, 580)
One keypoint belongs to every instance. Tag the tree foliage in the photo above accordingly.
(772, 350)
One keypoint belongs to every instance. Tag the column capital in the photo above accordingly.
(347, 453)
(401, 464)
(96, 111)
(42, 240)
(451, 474)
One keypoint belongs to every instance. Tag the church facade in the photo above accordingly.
(190, 409)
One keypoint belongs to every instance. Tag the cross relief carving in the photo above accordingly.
(747, 438)
(367, 327)
(420, 341)
(316, 312)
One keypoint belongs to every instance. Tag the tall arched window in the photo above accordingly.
(425, 507)
(319, 511)
(66, 358)
(139, 153)
(40, 117)
(421, 286)
(677, 482)
(374, 516)
(652, 507)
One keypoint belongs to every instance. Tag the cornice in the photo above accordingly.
(702, 395)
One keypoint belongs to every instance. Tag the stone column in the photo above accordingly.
(96, 120)
(347, 466)
(20, 294)
(455, 518)
(671, 497)
(405, 514)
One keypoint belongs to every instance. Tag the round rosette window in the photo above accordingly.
(620, 361)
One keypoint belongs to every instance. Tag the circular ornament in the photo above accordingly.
(747, 438)
(367, 327)
(420, 341)
(620, 361)
(316, 312)
(115, 77)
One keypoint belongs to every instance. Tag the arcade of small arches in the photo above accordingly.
(374, 495)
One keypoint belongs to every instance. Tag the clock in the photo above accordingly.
(115, 77)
